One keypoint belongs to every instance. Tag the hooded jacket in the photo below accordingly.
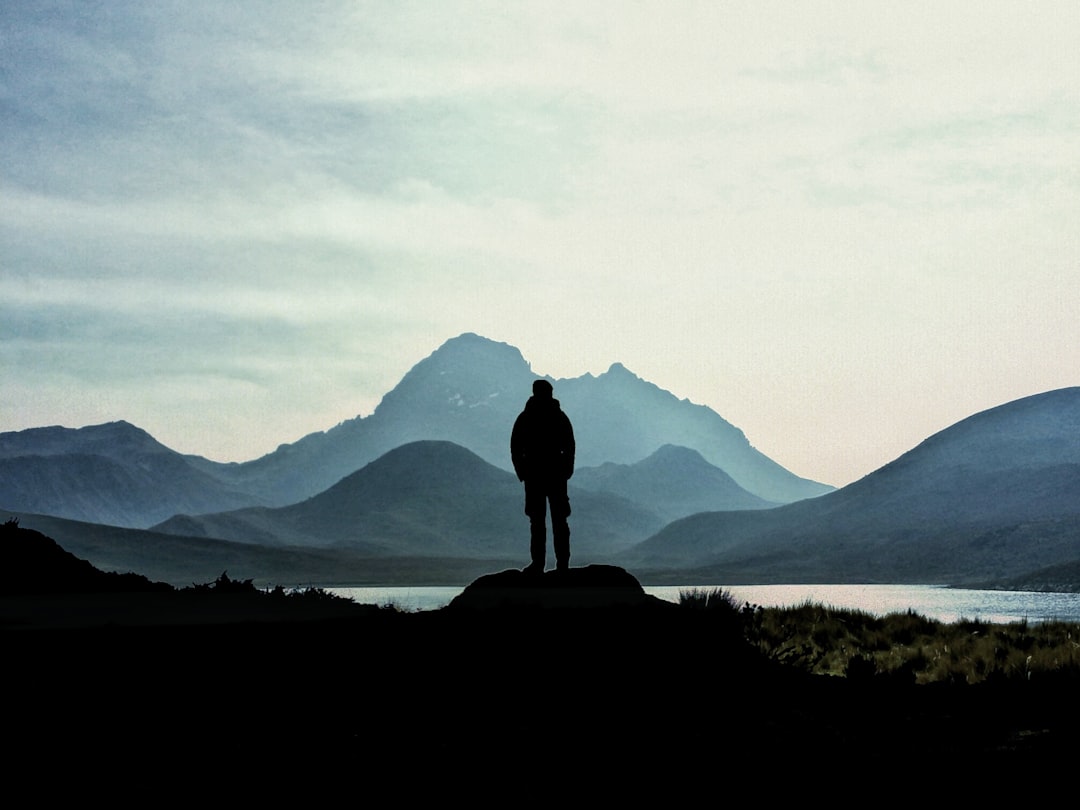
(542, 441)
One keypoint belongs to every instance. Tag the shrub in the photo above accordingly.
(709, 599)
(225, 585)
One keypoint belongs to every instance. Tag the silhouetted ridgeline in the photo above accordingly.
(44, 586)
(31, 563)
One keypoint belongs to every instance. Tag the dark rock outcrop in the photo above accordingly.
(593, 586)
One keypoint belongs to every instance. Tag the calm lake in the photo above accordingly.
(932, 601)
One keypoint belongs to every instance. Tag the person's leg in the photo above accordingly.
(536, 509)
(560, 528)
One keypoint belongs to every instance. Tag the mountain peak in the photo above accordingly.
(674, 452)
(619, 370)
(472, 337)
(109, 439)
(466, 364)
(472, 344)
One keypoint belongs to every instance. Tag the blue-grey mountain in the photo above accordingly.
(993, 497)
(114, 474)
(467, 392)
(673, 482)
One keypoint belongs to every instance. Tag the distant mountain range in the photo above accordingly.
(436, 498)
(420, 491)
(467, 392)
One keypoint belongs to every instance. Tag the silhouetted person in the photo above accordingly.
(542, 449)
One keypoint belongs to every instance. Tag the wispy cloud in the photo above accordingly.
(841, 226)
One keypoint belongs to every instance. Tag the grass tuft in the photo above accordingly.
(901, 647)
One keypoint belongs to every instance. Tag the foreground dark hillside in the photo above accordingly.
(474, 695)
(631, 696)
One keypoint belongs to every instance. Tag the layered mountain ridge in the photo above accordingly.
(989, 498)
(469, 391)
(420, 491)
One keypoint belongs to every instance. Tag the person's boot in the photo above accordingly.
(537, 548)
(561, 541)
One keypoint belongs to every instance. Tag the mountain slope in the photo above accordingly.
(673, 482)
(463, 393)
(622, 419)
(426, 498)
(114, 474)
(996, 495)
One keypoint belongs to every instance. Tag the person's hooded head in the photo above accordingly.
(542, 389)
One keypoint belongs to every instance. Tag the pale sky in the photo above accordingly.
(842, 226)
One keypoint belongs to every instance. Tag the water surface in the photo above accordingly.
(933, 601)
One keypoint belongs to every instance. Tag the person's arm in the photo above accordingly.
(570, 449)
(516, 456)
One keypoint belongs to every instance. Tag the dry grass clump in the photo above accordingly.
(905, 647)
